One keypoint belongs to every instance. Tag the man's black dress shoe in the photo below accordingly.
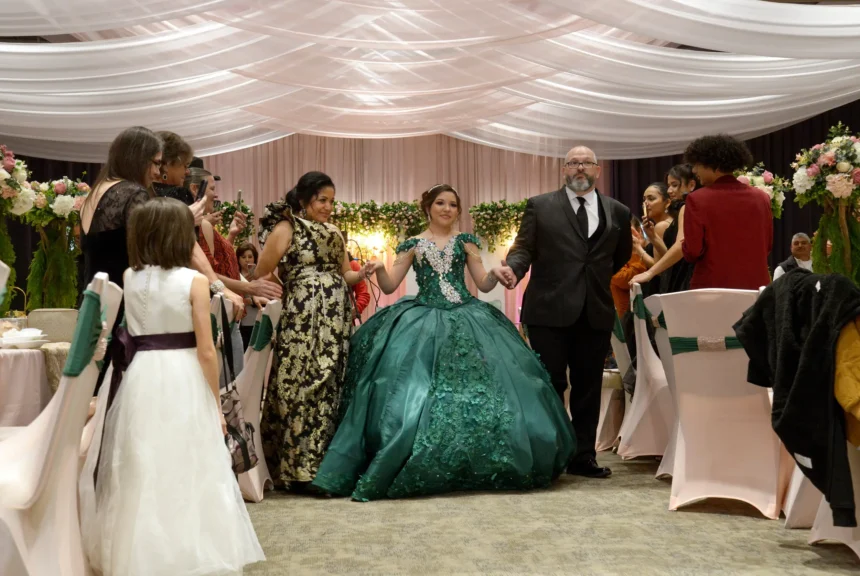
(589, 469)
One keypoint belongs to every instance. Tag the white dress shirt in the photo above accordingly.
(590, 207)
(805, 264)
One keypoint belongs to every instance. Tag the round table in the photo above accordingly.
(24, 389)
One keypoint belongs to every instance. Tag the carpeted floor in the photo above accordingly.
(578, 527)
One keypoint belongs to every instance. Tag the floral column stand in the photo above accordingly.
(53, 278)
(16, 198)
(829, 175)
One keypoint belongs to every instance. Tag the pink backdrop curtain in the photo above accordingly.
(390, 170)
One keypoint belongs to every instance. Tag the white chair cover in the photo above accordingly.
(39, 468)
(611, 410)
(802, 501)
(250, 385)
(664, 349)
(725, 446)
(823, 528)
(646, 426)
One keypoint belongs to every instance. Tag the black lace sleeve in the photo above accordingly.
(134, 199)
(180, 193)
(115, 206)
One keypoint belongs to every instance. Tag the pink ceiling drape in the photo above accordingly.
(390, 170)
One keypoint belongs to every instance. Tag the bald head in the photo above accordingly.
(581, 170)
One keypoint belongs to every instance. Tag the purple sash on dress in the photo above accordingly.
(123, 351)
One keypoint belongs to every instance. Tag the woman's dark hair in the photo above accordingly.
(722, 153)
(244, 247)
(430, 195)
(130, 156)
(683, 173)
(160, 233)
(175, 148)
(661, 188)
(307, 188)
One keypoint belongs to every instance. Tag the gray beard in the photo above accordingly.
(579, 185)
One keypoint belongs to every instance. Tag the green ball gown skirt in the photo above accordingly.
(442, 395)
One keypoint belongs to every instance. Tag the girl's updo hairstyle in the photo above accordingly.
(661, 188)
(306, 189)
(683, 173)
(430, 195)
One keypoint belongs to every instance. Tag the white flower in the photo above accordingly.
(20, 174)
(23, 202)
(63, 205)
(836, 141)
(4, 175)
(44, 186)
(780, 198)
(767, 190)
(857, 150)
(757, 181)
(801, 180)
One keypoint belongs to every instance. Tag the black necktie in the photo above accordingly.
(582, 216)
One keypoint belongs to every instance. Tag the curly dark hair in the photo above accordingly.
(721, 152)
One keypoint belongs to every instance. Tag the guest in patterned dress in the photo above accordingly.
(309, 366)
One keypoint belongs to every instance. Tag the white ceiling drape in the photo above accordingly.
(534, 76)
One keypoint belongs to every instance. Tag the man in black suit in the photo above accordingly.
(574, 239)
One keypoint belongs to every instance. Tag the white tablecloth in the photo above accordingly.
(24, 388)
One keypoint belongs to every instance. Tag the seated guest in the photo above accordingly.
(246, 254)
(801, 256)
(728, 226)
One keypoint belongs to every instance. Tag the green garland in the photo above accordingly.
(7, 256)
(228, 211)
(396, 221)
(497, 222)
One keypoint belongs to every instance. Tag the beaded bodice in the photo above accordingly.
(440, 273)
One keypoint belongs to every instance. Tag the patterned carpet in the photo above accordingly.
(579, 527)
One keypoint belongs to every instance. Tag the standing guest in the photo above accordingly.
(680, 181)
(574, 240)
(801, 256)
(177, 157)
(165, 500)
(310, 356)
(360, 294)
(620, 284)
(246, 254)
(728, 231)
(656, 222)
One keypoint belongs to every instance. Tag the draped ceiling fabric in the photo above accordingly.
(533, 76)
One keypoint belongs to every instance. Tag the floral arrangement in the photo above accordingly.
(228, 211)
(774, 186)
(829, 175)
(55, 214)
(395, 221)
(16, 197)
(497, 222)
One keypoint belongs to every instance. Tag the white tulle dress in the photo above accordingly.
(167, 502)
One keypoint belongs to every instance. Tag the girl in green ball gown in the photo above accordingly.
(442, 394)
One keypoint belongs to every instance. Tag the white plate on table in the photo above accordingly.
(23, 344)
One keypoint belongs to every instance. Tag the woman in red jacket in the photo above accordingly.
(359, 291)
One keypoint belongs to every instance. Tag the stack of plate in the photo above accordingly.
(26, 338)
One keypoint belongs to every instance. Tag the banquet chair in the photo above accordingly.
(646, 426)
(802, 500)
(250, 385)
(39, 464)
(611, 410)
(621, 354)
(724, 446)
(823, 528)
(664, 349)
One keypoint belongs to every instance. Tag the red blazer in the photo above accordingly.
(362, 296)
(728, 234)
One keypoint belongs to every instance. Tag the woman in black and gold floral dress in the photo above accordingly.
(309, 366)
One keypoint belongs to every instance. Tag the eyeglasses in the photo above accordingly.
(587, 165)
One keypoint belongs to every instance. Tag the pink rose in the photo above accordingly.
(8, 192)
(768, 177)
(839, 185)
(813, 170)
(79, 203)
(855, 176)
(744, 180)
(59, 187)
(855, 139)
(84, 188)
(8, 163)
(41, 201)
(818, 147)
(827, 159)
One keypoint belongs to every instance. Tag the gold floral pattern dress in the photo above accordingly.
(309, 365)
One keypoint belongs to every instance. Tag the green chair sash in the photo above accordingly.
(641, 311)
(681, 345)
(86, 337)
(262, 333)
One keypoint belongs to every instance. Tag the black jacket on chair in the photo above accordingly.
(790, 337)
(569, 270)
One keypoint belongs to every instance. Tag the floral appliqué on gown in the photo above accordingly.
(300, 412)
(442, 394)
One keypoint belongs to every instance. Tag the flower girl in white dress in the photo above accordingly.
(165, 501)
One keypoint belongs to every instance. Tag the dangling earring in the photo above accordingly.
(164, 176)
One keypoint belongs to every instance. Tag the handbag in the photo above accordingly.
(240, 434)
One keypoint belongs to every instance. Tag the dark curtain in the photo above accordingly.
(629, 178)
(24, 238)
